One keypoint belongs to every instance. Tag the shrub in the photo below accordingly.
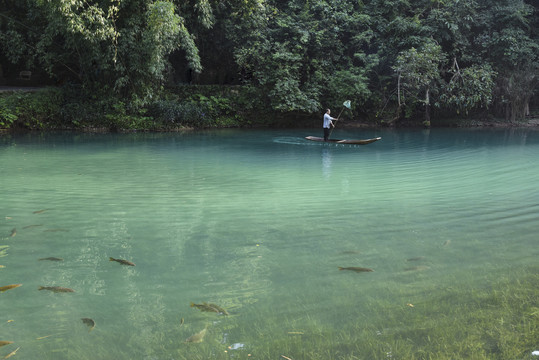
(7, 114)
(171, 113)
(31, 110)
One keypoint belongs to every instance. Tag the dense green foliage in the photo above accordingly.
(394, 59)
(31, 110)
(66, 107)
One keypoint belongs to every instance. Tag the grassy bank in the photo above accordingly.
(187, 107)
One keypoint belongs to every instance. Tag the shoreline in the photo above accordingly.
(110, 121)
(532, 123)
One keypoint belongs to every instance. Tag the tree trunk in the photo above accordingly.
(399, 108)
(426, 123)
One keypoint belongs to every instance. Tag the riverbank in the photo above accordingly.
(531, 122)
(53, 109)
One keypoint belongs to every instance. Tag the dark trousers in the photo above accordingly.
(326, 134)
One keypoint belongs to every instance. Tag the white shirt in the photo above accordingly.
(327, 120)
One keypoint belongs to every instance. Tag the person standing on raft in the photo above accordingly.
(327, 123)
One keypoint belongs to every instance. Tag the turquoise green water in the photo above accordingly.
(257, 222)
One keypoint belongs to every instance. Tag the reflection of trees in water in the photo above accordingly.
(139, 310)
(230, 270)
(136, 314)
(130, 318)
(198, 258)
(246, 276)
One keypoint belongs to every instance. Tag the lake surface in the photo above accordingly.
(257, 222)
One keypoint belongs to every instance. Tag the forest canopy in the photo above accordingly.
(394, 59)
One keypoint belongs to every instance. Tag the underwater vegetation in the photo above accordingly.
(413, 309)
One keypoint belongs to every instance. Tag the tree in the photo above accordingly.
(468, 88)
(298, 53)
(506, 37)
(418, 72)
(108, 45)
(296, 56)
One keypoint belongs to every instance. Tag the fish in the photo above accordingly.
(43, 337)
(52, 258)
(12, 353)
(181, 321)
(40, 211)
(89, 322)
(221, 310)
(56, 289)
(13, 232)
(350, 252)
(9, 287)
(416, 258)
(56, 230)
(122, 261)
(32, 226)
(447, 242)
(2, 266)
(205, 307)
(210, 308)
(356, 269)
(198, 337)
(3, 343)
